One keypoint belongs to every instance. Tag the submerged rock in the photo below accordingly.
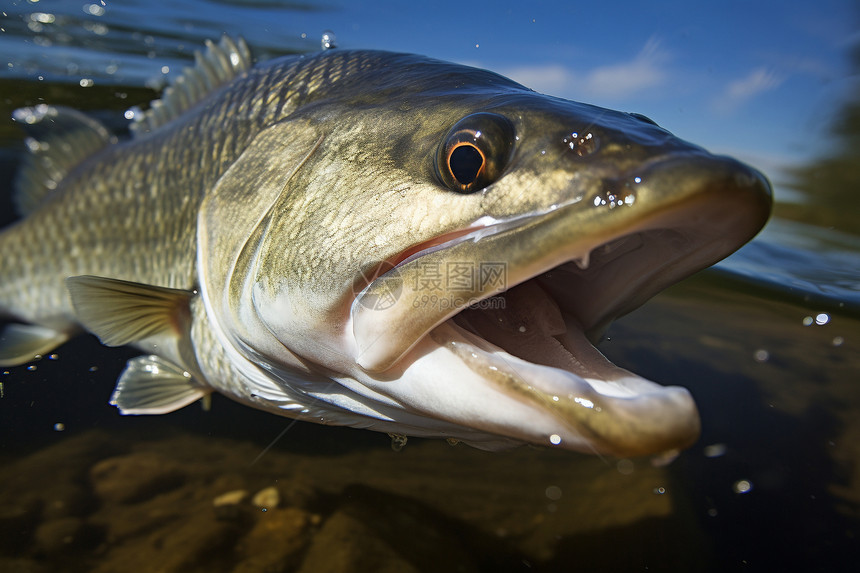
(267, 498)
(234, 497)
(66, 534)
(276, 542)
(135, 477)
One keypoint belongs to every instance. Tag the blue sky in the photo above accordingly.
(758, 79)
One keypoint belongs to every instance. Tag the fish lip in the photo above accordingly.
(481, 228)
(626, 416)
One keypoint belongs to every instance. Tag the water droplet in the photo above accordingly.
(660, 490)
(555, 439)
(328, 40)
(808, 320)
(42, 18)
(838, 341)
(822, 318)
(59, 427)
(94, 9)
(761, 355)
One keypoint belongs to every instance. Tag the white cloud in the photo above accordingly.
(740, 91)
(622, 80)
(549, 79)
(643, 72)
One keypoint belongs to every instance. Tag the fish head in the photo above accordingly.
(454, 245)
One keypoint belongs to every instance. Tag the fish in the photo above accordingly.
(374, 240)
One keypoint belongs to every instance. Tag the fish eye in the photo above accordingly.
(475, 152)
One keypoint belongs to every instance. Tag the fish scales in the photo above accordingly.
(141, 197)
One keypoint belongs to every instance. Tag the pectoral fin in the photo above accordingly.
(152, 385)
(20, 343)
(122, 312)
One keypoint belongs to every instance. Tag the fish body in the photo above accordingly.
(375, 240)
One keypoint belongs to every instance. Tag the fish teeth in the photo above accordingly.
(582, 262)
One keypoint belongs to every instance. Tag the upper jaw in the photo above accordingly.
(687, 213)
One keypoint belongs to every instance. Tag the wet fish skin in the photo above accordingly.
(251, 223)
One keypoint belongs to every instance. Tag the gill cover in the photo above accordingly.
(232, 224)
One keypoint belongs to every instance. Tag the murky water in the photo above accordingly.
(767, 343)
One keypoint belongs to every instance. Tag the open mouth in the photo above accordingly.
(533, 336)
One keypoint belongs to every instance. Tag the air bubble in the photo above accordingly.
(553, 492)
(715, 450)
(398, 441)
(625, 467)
(742, 486)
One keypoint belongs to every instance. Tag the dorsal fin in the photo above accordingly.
(220, 64)
(59, 138)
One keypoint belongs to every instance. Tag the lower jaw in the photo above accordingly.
(598, 407)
